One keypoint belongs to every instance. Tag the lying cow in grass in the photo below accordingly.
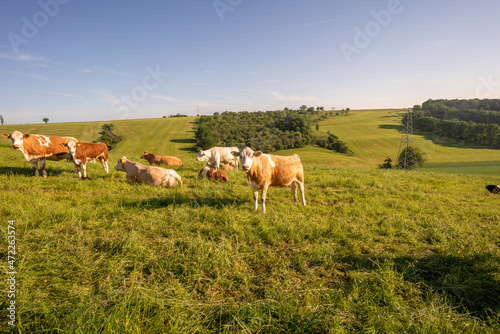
(493, 189)
(265, 170)
(87, 152)
(216, 156)
(155, 176)
(214, 174)
(155, 159)
(39, 148)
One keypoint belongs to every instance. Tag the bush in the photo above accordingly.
(411, 157)
(108, 136)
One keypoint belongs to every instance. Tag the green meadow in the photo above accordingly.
(374, 251)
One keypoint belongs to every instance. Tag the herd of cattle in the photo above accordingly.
(263, 170)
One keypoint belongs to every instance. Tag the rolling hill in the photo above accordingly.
(372, 135)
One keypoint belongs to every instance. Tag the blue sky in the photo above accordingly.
(74, 60)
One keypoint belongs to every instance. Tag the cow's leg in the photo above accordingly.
(302, 192)
(76, 167)
(79, 169)
(105, 165)
(35, 165)
(42, 167)
(255, 199)
(263, 197)
(294, 192)
(84, 168)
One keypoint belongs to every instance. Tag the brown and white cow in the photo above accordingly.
(155, 176)
(211, 173)
(155, 159)
(265, 170)
(216, 155)
(83, 152)
(39, 148)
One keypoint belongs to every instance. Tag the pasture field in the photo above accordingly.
(374, 135)
(374, 251)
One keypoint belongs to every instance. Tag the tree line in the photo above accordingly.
(463, 120)
(267, 131)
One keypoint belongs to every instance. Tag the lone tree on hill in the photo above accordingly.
(1, 119)
(46, 120)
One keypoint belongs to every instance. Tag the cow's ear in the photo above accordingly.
(257, 153)
(6, 135)
(64, 144)
(235, 153)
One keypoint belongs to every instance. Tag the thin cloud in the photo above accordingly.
(107, 71)
(162, 97)
(28, 75)
(61, 94)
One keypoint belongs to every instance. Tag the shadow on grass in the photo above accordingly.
(467, 283)
(179, 199)
(27, 171)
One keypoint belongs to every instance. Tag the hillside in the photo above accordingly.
(372, 135)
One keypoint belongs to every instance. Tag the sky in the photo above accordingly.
(74, 60)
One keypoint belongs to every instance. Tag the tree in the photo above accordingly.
(387, 164)
(1, 119)
(46, 120)
(205, 137)
(413, 156)
(317, 127)
(108, 136)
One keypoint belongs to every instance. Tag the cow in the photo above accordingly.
(210, 173)
(155, 176)
(216, 155)
(494, 189)
(83, 152)
(39, 148)
(265, 170)
(155, 159)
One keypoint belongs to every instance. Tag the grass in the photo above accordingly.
(374, 251)
(374, 135)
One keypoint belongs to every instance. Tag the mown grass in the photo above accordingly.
(374, 135)
(374, 251)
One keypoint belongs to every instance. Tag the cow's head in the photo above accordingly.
(202, 156)
(71, 145)
(203, 172)
(17, 138)
(246, 155)
(120, 166)
(144, 155)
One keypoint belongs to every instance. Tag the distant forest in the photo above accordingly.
(472, 121)
(267, 131)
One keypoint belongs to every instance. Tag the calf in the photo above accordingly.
(210, 173)
(264, 170)
(39, 148)
(155, 159)
(83, 152)
(217, 155)
(155, 176)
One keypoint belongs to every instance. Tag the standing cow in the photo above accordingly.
(216, 155)
(155, 159)
(265, 170)
(39, 148)
(83, 152)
